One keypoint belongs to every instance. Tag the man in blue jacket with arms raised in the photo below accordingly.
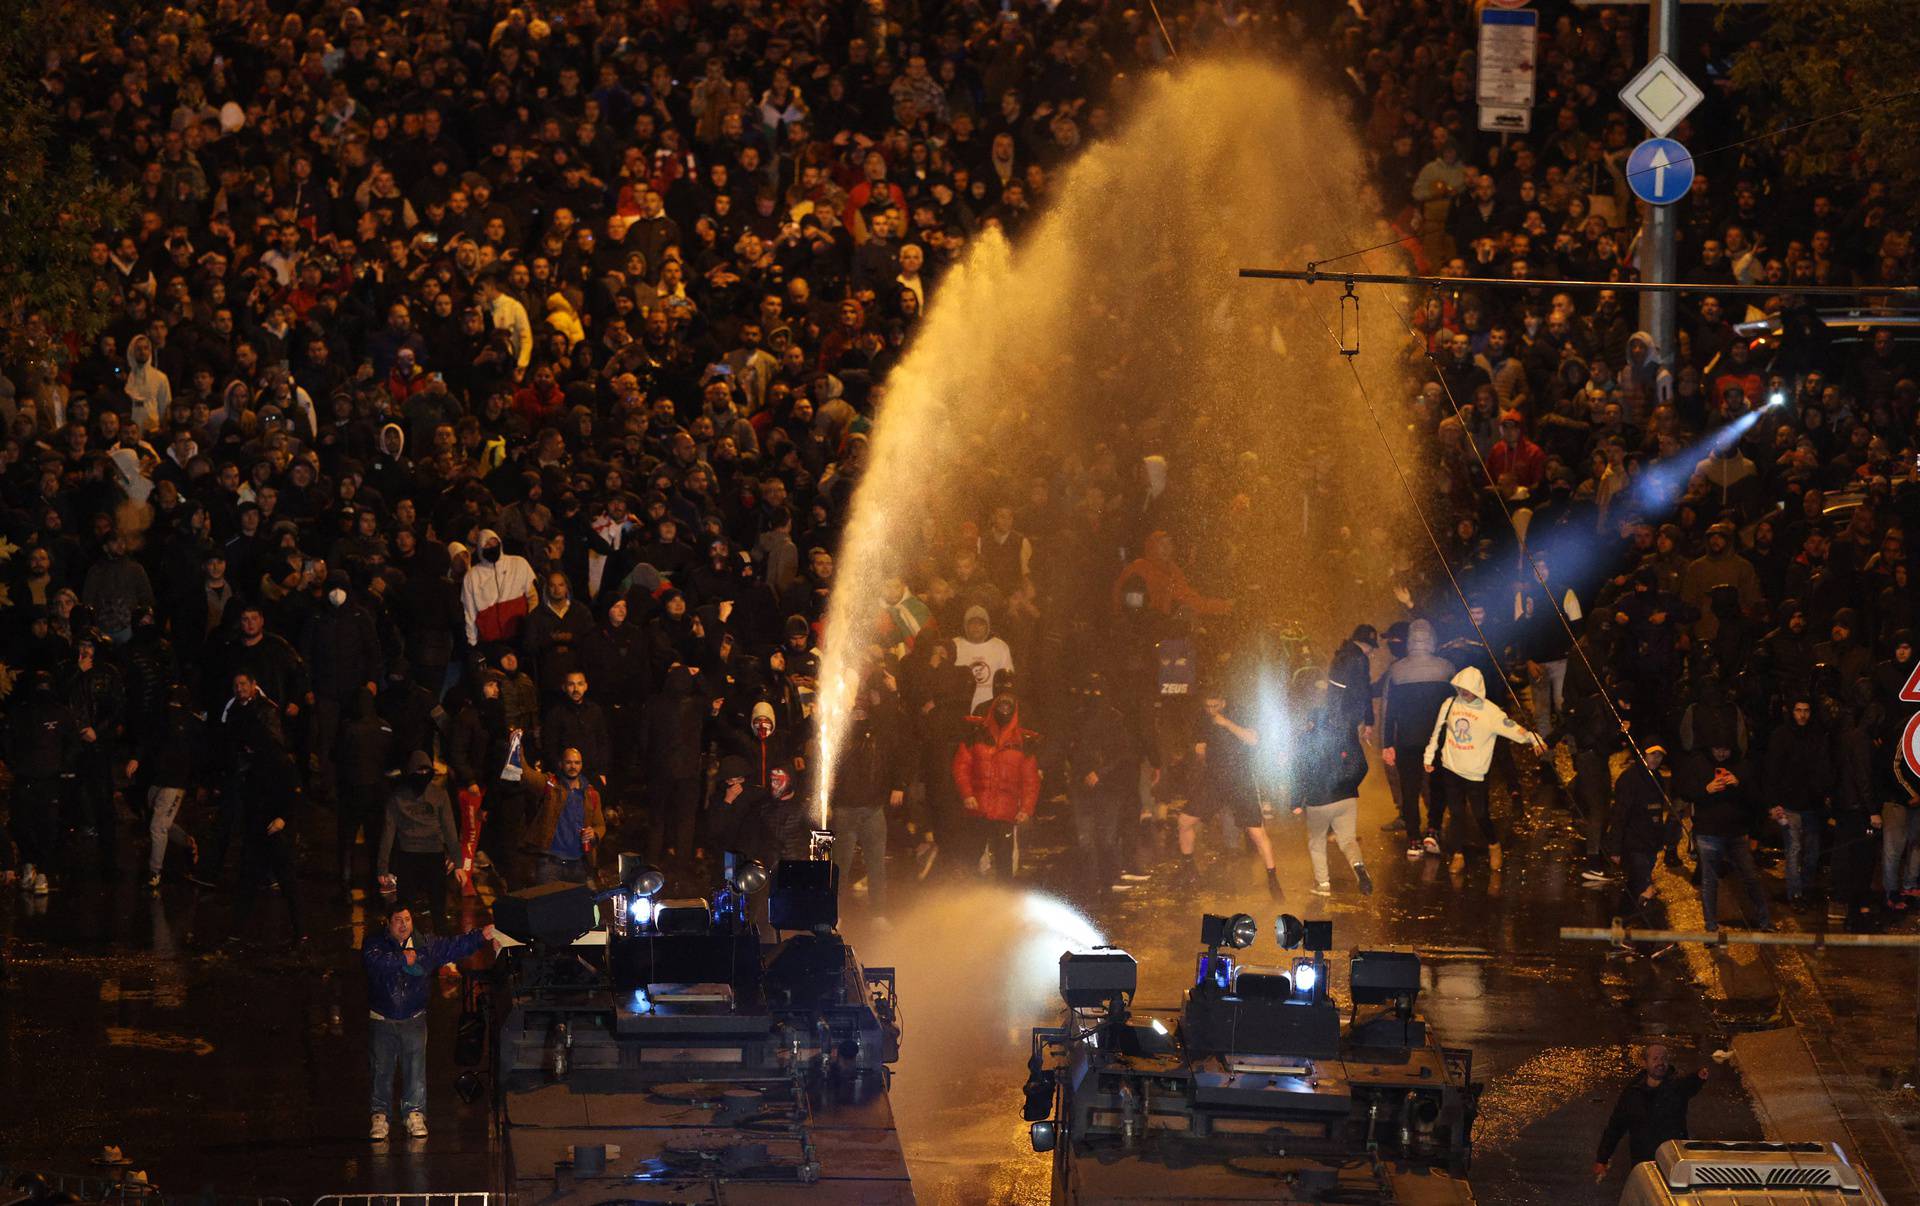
(400, 966)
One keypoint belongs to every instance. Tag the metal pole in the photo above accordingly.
(1659, 260)
(1620, 933)
(1313, 274)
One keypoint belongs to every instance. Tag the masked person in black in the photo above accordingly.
(672, 725)
(263, 776)
(1103, 786)
(98, 696)
(420, 845)
(360, 789)
(43, 744)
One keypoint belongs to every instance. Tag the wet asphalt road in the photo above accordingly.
(127, 1019)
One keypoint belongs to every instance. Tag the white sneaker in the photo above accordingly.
(40, 885)
(1323, 889)
(1430, 844)
(378, 1130)
(416, 1125)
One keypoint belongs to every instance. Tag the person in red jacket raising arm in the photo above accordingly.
(998, 776)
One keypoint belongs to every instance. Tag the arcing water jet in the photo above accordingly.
(1116, 329)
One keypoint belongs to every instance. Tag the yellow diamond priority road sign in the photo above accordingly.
(1661, 96)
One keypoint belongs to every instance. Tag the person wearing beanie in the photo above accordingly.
(1641, 824)
(981, 653)
(762, 745)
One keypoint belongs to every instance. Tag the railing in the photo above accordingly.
(26, 1186)
(448, 1198)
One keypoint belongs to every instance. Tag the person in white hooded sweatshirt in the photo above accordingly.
(497, 593)
(1460, 750)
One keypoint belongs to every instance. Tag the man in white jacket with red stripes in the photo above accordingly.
(1463, 737)
(497, 593)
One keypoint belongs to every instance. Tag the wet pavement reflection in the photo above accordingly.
(130, 1020)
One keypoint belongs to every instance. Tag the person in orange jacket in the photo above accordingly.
(998, 777)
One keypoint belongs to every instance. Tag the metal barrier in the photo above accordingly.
(1620, 933)
(453, 1198)
(112, 1188)
(92, 1188)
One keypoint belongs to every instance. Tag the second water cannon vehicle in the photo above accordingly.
(725, 1048)
(1256, 1087)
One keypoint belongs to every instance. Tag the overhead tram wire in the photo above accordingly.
(1406, 486)
(1493, 484)
(1689, 157)
(1161, 22)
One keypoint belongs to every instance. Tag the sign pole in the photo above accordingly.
(1659, 260)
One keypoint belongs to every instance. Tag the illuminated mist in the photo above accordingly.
(978, 965)
(1118, 320)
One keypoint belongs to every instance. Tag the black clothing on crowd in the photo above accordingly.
(579, 726)
(1731, 811)
(1648, 1115)
(1799, 767)
(1641, 823)
(1350, 680)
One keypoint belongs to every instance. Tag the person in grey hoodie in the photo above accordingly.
(1413, 691)
(420, 823)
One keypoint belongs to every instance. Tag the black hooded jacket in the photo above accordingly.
(1799, 766)
(672, 725)
(342, 647)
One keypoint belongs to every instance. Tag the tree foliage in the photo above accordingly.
(52, 200)
(1822, 58)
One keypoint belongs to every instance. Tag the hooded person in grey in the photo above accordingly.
(1413, 691)
(420, 824)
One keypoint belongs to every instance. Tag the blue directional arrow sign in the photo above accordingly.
(1660, 171)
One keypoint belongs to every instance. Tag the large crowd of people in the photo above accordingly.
(454, 489)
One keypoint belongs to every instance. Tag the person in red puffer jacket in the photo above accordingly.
(998, 777)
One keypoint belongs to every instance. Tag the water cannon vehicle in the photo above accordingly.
(731, 1048)
(1256, 1088)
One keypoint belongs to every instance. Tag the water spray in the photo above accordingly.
(1120, 306)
